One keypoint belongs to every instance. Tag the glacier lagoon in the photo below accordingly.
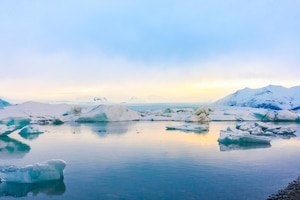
(143, 160)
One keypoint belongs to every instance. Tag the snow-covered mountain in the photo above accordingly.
(270, 97)
(3, 103)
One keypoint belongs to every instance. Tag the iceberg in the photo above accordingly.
(190, 127)
(281, 115)
(200, 115)
(261, 128)
(30, 132)
(10, 125)
(39, 172)
(105, 113)
(234, 136)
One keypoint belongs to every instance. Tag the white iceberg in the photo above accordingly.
(281, 115)
(104, 113)
(232, 135)
(261, 128)
(30, 132)
(39, 172)
(200, 115)
(225, 113)
(190, 127)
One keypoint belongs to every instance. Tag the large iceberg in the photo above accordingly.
(267, 129)
(39, 172)
(253, 132)
(281, 115)
(104, 113)
(234, 136)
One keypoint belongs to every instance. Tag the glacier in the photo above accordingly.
(39, 172)
(269, 97)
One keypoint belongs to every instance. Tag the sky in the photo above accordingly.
(158, 51)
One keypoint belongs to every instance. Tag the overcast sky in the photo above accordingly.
(171, 50)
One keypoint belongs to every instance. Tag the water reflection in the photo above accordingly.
(49, 188)
(30, 137)
(232, 147)
(109, 128)
(11, 148)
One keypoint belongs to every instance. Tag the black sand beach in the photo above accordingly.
(291, 192)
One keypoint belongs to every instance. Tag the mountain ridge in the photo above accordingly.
(273, 97)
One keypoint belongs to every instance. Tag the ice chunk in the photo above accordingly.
(39, 172)
(281, 115)
(30, 132)
(105, 113)
(10, 125)
(190, 127)
(232, 135)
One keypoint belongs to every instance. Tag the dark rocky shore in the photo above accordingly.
(291, 192)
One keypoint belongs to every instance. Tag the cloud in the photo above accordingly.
(64, 75)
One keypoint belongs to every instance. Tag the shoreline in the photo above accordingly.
(291, 192)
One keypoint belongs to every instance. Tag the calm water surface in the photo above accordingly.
(141, 160)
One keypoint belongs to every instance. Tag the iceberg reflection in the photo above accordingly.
(110, 128)
(243, 146)
(11, 148)
(49, 188)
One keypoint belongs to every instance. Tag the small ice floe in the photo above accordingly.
(30, 132)
(190, 127)
(39, 172)
(232, 135)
